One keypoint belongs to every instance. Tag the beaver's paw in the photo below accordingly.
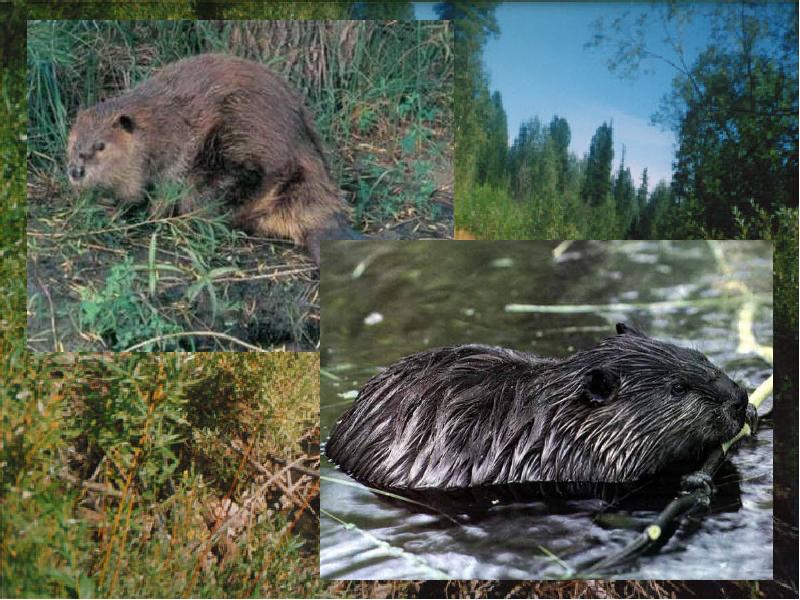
(698, 481)
(751, 418)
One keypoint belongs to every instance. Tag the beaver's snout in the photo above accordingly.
(76, 172)
(742, 400)
(734, 398)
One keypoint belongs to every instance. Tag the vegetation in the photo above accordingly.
(196, 9)
(12, 190)
(160, 475)
(102, 280)
(734, 113)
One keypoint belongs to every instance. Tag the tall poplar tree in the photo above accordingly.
(597, 184)
(641, 206)
(493, 151)
(561, 135)
(624, 196)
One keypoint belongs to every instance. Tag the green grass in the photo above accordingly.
(490, 213)
(12, 210)
(381, 95)
(117, 470)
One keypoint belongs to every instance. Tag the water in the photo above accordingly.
(406, 297)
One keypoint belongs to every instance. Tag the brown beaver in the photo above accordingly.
(230, 129)
(478, 415)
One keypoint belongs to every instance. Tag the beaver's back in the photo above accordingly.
(233, 106)
(430, 420)
(251, 102)
(215, 77)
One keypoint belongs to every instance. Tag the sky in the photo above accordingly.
(424, 11)
(540, 66)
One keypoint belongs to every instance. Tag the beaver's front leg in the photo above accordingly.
(202, 193)
(208, 194)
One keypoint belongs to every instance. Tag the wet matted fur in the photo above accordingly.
(479, 415)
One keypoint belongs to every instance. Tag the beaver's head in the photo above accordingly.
(635, 406)
(104, 150)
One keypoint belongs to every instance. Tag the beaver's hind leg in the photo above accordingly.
(300, 204)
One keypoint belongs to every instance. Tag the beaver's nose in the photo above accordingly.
(741, 396)
(77, 172)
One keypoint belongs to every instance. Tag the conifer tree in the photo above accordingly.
(597, 184)
(560, 134)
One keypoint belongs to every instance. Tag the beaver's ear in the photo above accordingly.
(600, 386)
(125, 122)
(625, 329)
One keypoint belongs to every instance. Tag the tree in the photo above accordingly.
(561, 135)
(493, 151)
(597, 184)
(383, 10)
(473, 23)
(641, 193)
(737, 149)
(641, 205)
(525, 152)
(733, 108)
(624, 196)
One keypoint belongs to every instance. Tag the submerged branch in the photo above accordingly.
(666, 305)
(433, 572)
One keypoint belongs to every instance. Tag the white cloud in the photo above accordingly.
(645, 145)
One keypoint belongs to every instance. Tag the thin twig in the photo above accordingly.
(90, 485)
(281, 461)
(78, 234)
(265, 276)
(52, 313)
(223, 336)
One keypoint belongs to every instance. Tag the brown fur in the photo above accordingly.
(209, 120)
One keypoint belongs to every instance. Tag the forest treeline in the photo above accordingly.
(733, 110)
(581, 197)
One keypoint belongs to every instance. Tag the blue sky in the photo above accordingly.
(539, 65)
(424, 11)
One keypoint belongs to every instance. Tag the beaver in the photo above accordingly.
(229, 128)
(477, 415)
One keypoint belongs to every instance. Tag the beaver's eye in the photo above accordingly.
(679, 389)
(98, 146)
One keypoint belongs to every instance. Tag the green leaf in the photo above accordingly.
(86, 587)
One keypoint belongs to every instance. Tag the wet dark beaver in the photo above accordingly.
(477, 415)
(231, 130)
